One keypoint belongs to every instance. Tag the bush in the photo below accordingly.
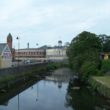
(55, 65)
(105, 66)
(88, 69)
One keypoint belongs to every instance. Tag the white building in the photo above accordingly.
(57, 53)
(5, 56)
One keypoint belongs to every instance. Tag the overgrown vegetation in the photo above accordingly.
(43, 69)
(84, 54)
(55, 65)
(105, 67)
(5, 80)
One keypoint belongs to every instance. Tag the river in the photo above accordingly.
(52, 93)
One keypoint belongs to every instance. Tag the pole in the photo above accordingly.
(18, 49)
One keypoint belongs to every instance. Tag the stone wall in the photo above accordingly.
(21, 69)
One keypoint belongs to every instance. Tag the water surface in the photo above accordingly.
(52, 93)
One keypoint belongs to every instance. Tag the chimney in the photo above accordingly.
(28, 45)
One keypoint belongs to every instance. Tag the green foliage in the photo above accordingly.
(83, 53)
(105, 67)
(88, 69)
(105, 40)
(106, 46)
(55, 65)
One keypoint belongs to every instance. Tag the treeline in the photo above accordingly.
(84, 54)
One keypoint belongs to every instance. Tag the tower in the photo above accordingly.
(9, 41)
(60, 43)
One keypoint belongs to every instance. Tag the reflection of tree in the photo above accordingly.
(6, 103)
(83, 99)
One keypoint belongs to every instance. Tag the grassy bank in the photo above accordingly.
(101, 84)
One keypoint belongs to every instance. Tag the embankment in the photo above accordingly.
(101, 84)
(14, 75)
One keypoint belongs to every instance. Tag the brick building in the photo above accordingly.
(32, 54)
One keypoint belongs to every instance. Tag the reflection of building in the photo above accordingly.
(57, 53)
(5, 56)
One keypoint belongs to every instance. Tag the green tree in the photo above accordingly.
(105, 67)
(105, 41)
(84, 48)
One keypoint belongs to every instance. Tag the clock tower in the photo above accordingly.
(9, 41)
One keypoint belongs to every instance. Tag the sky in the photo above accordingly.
(44, 22)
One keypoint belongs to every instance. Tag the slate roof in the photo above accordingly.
(2, 46)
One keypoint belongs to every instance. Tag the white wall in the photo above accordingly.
(6, 58)
(56, 54)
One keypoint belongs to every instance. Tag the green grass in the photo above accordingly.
(104, 80)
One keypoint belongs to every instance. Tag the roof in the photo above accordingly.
(59, 41)
(29, 49)
(2, 46)
(45, 47)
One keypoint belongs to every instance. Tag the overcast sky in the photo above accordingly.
(46, 21)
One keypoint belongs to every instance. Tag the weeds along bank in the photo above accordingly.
(15, 74)
(101, 84)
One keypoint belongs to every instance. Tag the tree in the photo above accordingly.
(105, 41)
(84, 48)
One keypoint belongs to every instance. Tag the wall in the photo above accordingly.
(6, 63)
(20, 70)
(6, 58)
(56, 54)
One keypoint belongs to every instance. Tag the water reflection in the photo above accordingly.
(52, 93)
(84, 99)
(60, 76)
(18, 102)
(48, 94)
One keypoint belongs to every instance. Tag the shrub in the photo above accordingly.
(105, 66)
(88, 69)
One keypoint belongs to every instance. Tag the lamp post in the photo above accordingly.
(18, 49)
(18, 66)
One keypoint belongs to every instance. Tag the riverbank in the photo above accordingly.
(101, 84)
(12, 76)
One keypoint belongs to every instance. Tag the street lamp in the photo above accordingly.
(18, 49)
(18, 67)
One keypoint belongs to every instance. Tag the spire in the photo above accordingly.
(9, 40)
(9, 36)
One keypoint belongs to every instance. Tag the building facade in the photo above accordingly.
(32, 54)
(56, 54)
(10, 44)
(5, 56)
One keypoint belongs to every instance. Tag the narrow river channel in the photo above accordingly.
(52, 93)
